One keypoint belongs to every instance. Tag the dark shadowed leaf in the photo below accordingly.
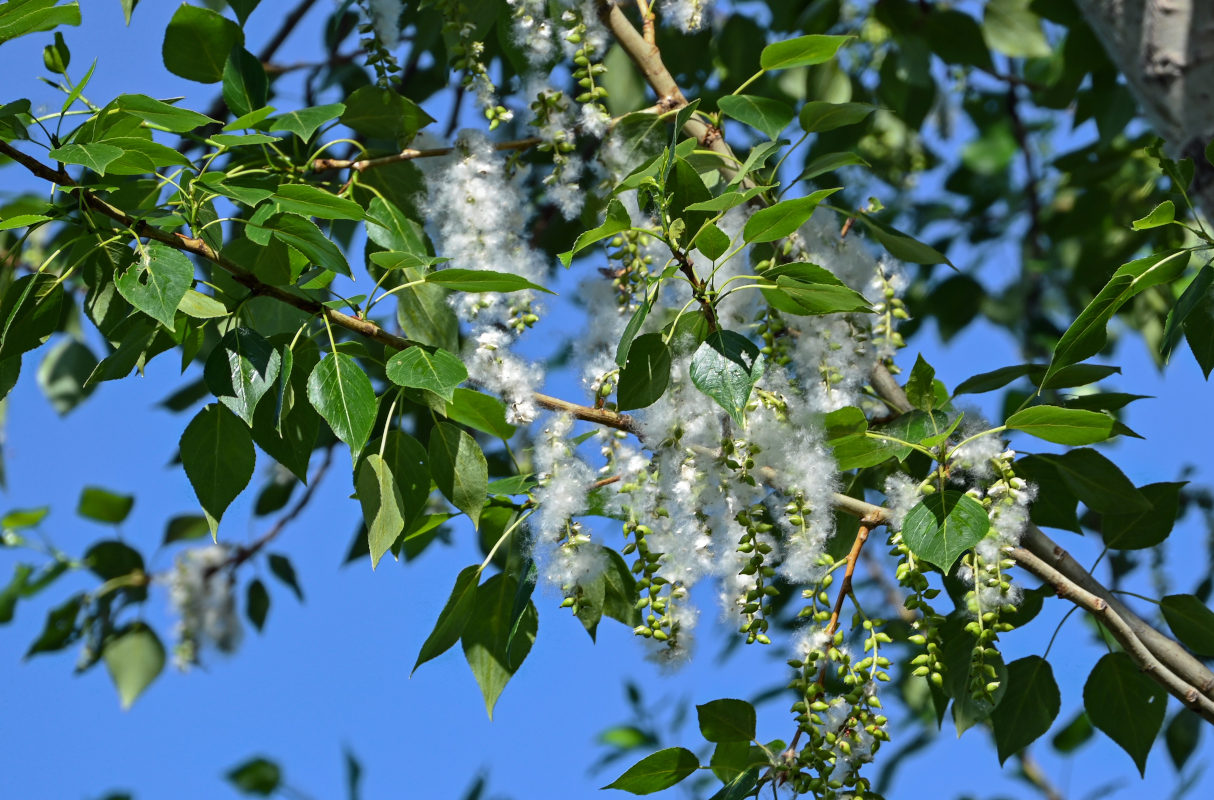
(1125, 704)
(1028, 707)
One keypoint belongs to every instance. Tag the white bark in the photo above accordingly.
(1165, 50)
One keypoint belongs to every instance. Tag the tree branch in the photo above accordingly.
(363, 327)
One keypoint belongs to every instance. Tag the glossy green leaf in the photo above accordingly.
(1070, 426)
(133, 658)
(312, 201)
(727, 720)
(486, 640)
(423, 312)
(1125, 704)
(197, 42)
(95, 155)
(901, 246)
(802, 51)
(1086, 335)
(437, 371)
(218, 457)
(656, 772)
(157, 282)
(161, 114)
(480, 411)
(818, 116)
(304, 237)
(241, 370)
(459, 469)
(726, 367)
(29, 313)
(1189, 301)
(617, 220)
(1192, 622)
(31, 16)
(712, 242)
(1028, 707)
(764, 114)
(645, 376)
(776, 222)
(1162, 214)
(103, 505)
(453, 618)
(1199, 333)
(921, 385)
(943, 526)
(245, 85)
(481, 280)
(257, 776)
(384, 114)
(807, 290)
(343, 395)
(306, 121)
(829, 162)
(382, 505)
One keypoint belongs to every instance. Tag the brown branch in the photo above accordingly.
(408, 154)
(363, 327)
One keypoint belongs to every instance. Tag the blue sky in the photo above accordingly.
(333, 673)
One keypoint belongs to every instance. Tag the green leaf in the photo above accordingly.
(481, 280)
(645, 376)
(480, 411)
(185, 527)
(303, 236)
(453, 618)
(280, 567)
(1142, 529)
(1028, 708)
(390, 227)
(103, 505)
(22, 221)
(245, 85)
(218, 457)
(257, 603)
(437, 371)
(808, 290)
(384, 114)
(726, 367)
(1010, 27)
(197, 43)
(761, 113)
(712, 242)
(1074, 734)
(241, 369)
(29, 313)
(901, 246)
(727, 721)
(60, 628)
(1189, 301)
(1098, 483)
(63, 373)
(31, 16)
(493, 657)
(256, 776)
(632, 328)
(1125, 704)
(157, 282)
(161, 114)
(829, 162)
(423, 312)
(343, 395)
(305, 121)
(202, 306)
(1182, 736)
(134, 658)
(616, 221)
(459, 469)
(1086, 335)
(382, 505)
(943, 526)
(818, 116)
(312, 201)
(1191, 621)
(1071, 426)
(801, 52)
(1199, 333)
(1162, 214)
(921, 385)
(658, 771)
(776, 222)
(95, 155)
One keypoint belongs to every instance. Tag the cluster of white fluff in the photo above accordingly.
(533, 31)
(202, 597)
(385, 18)
(686, 15)
(480, 219)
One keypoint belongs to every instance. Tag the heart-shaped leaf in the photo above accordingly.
(156, 283)
(419, 368)
(241, 369)
(943, 526)
(726, 367)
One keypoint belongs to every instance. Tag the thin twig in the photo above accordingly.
(409, 153)
(853, 556)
